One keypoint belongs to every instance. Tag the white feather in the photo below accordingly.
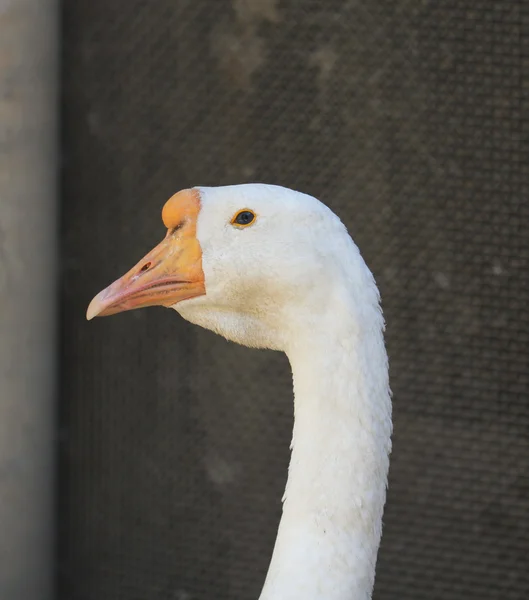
(295, 281)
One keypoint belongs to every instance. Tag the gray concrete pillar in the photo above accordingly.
(28, 291)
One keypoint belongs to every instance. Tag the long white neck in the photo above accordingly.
(329, 534)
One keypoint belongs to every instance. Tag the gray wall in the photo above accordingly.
(28, 75)
(409, 119)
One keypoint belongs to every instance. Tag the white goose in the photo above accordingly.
(269, 267)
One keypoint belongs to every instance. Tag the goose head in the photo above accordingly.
(251, 262)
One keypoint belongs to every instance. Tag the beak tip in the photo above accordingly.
(94, 309)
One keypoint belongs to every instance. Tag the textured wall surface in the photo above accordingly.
(410, 119)
(28, 78)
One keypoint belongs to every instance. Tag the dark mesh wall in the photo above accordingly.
(410, 119)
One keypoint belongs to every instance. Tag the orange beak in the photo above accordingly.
(170, 273)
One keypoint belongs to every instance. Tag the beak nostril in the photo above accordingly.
(145, 267)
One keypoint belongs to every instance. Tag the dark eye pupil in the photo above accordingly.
(245, 217)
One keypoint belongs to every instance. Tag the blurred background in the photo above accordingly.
(142, 458)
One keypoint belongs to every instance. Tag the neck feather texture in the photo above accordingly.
(329, 534)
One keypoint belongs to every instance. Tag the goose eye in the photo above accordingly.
(243, 218)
